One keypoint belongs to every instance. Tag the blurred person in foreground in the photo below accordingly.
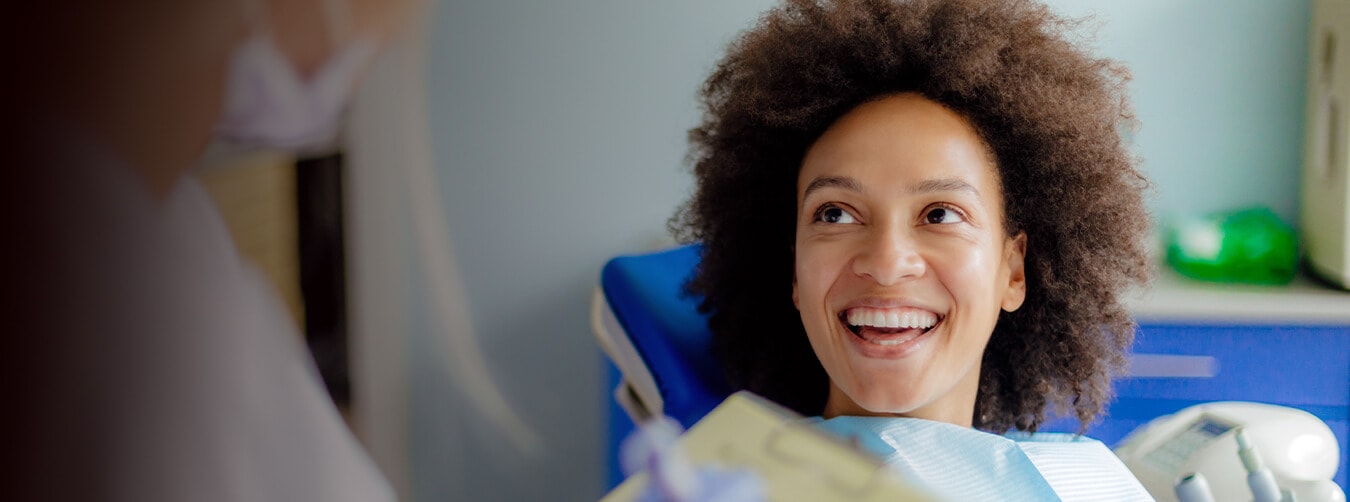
(146, 361)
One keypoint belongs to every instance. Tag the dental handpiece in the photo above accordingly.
(1259, 478)
(1193, 488)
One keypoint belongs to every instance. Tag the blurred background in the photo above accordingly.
(557, 134)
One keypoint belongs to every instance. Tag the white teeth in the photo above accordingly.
(892, 318)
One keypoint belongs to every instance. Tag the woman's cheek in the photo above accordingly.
(968, 270)
(809, 270)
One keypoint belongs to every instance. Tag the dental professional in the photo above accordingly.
(144, 359)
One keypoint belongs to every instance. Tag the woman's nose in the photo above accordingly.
(889, 258)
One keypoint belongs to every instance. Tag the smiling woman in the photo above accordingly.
(902, 263)
(919, 209)
(918, 218)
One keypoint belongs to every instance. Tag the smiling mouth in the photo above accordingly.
(889, 327)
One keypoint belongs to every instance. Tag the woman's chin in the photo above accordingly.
(876, 403)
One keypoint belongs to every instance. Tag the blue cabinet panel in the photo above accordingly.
(1305, 367)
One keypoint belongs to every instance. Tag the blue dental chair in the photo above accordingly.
(657, 342)
(658, 346)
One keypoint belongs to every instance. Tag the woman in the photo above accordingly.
(919, 209)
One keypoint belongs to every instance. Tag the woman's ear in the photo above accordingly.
(1014, 258)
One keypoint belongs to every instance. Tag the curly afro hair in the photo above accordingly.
(1051, 114)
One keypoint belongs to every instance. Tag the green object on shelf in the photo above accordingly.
(1246, 246)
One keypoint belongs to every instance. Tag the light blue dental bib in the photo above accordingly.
(959, 463)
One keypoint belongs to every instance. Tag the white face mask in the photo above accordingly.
(268, 104)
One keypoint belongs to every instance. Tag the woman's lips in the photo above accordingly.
(887, 342)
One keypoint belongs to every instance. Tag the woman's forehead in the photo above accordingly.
(901, 142)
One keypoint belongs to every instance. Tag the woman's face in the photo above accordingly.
(902, 262)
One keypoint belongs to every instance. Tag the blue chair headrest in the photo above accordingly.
(647, 295)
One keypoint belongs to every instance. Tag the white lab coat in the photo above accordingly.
(178, 366)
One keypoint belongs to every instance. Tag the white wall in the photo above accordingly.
(1219, 88)
(560, 132)
(559, 129)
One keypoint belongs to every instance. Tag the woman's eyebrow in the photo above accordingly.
(944, 185)
(843, 182)
(926, 186)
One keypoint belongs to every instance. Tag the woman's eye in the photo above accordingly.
(942, 215)
(834, 214)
